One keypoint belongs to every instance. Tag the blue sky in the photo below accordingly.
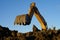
(9, 9)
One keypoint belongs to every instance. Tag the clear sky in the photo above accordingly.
(9, 9)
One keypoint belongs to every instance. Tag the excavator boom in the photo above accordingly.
(25, 19)
(40, 18)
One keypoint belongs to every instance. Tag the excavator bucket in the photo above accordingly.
(22, 20)
(25, 19)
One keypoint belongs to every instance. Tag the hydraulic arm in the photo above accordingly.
(40, 18)
(25, 19)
